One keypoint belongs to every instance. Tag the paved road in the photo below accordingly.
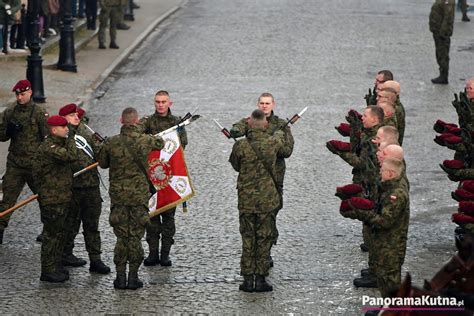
(221, 56)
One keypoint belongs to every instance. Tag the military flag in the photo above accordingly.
(168, 172)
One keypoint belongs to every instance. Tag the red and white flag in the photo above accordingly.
(168, 172)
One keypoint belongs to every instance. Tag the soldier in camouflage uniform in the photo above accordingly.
(53, 176)
(86, 204)
(266, 103)
(365, 172)
(25, 127)
(162, 224)
(441, 25)
(258, 196)
(380, 78)
(389, 226)
(110, 10)
(126, 155)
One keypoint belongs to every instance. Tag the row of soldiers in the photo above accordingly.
(54, 155)
(379, 194)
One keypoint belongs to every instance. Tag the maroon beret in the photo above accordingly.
(344, 206)
(361, 203)
(80, 112)
(344, 129)
(462, 195)
(350, 189)
(22, 86)
(68, 109)
(466, 207)
(454, 164)
(459, 218)
(468, 185)
(355, 113)
(57, 120)
(452, 129)
(340, 145)
(453, 140)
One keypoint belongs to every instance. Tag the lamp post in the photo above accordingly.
(34, 71)
(67, 54)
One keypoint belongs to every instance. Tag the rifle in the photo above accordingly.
(225, 131)
(95, 134)
(294, 118)
(34, 197)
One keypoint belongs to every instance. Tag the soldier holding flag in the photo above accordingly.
(162, 226)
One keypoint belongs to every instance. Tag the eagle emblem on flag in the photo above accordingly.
(169, 175)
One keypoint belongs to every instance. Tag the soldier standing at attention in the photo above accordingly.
(126, 155)
(162, 225)
(53, 176)
(441, 25)
(266, 103)
(109, 10)
(254, 158)
(25, 127)
(86, 204)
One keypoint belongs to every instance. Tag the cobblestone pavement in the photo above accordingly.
(221, 56)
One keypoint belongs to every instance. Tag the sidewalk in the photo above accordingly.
(93, 65)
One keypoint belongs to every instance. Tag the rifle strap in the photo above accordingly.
(128, 145)
(268, 168)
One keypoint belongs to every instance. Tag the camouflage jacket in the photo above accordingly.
(154, 124)
(111, 3)
(128, 183)
(442, 18)
(389, 221)
(275, 123)
(363, 159)
(52, 172)
(257, 192)
(32, 128)
(400, 115)
(90, 178)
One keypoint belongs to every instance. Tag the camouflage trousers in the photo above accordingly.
(463, 6)
(442, 44)
(112, 14)
(14, 180)
(85, 207)
(129, 224)
(162, 225)
(53, 218)
(388, 269)
(257, 231)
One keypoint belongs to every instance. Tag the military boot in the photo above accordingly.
(442, 79)
(53, 277)
(113, 45)
(368, 281)
(102, 45)
(153, 258)
(465, 18)
(122, 26)
(364, 247)
(133, 281)
(165, 259)
(120, 281)
(248, 284)
(261, 285)
(62, 269)
(1, 236)
(39, 238)
(72, 261)
(99, 267)
(365, 272)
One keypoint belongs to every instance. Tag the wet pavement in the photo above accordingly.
(221, 56)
